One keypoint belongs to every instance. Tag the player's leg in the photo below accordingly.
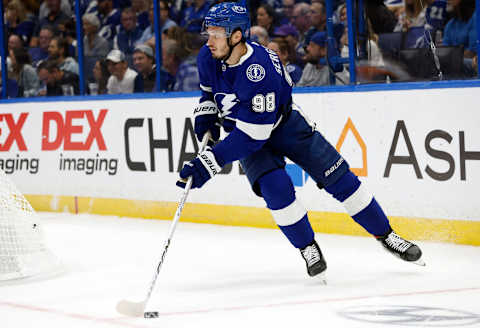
(291, 217)
(309, 149)
(268, 178)
(365, 210)
(359, 203)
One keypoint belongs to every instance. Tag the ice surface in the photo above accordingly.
(225, 277)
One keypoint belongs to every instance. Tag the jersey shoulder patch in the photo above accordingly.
(261, 66)
(260, 74)
(255, 72)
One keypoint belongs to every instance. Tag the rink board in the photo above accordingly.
(453, 231)
(417, 150)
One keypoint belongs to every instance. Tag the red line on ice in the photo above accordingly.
(326, 300)
(120, 321)
(84, 317)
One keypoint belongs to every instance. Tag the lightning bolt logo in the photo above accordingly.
(225, 102)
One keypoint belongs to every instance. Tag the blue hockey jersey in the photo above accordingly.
(251, 97)
(436, 15)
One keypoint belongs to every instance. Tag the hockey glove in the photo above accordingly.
(206, 119)
(202, 168)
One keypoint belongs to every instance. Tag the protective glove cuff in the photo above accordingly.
(209, 162)
(206, 107)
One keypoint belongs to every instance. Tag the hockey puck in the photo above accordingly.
(150, 314)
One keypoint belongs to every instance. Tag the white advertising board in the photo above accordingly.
(417, 150)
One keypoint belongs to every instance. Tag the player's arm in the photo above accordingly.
(252, 130)
(249, 135)
(206, 113)
(254, 123)
(255, 115)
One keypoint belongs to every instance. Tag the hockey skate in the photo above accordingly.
(401, 248)
(316, 264)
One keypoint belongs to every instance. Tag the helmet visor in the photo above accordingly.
(214, 29)
(215, 32)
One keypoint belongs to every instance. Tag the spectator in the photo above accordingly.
(461, 28)
(170, 62)
(275, 4)
(58, 51)
(315, 74)
(187, 78)
(193, 16)
(42, 73)
(436, 16)
(259, 34)
(69, 32)
(59, 82)
(340, 15)
(101, 76)
(461, 31)
(122, 79)
(140, 8)
(12, 86)
(413, 15)
(318, 18)
(109, 19)
(178, 34)
(290, 34)
(15, 42)
(55, 17)
(165, 23)
(302, 22)
(88, 7)
(16, 21)
(374, 55)
(128, 34)
(382, 19)
(94, 45)
(287, 10)
(175, 33)
(41, 52)
(144, 63)
(31, 9)
(284, 52)
(24, 73)
(319, 22)
(44, 9)
(373, 68)
(267, 18)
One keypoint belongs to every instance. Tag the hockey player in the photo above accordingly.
(246, 90)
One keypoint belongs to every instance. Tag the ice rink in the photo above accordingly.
(225, 277)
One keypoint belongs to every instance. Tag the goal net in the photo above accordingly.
(23, 252)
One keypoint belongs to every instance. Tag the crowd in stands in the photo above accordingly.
(119, 42)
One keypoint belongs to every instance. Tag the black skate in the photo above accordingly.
(313, 257)
(402, 248)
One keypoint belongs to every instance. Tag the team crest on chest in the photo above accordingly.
(255, 72)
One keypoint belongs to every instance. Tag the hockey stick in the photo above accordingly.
(137, 309)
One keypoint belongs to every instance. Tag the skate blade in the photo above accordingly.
(419, 262)
(321, 278)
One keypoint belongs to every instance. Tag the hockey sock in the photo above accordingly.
(289, 214)
(360, 204)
